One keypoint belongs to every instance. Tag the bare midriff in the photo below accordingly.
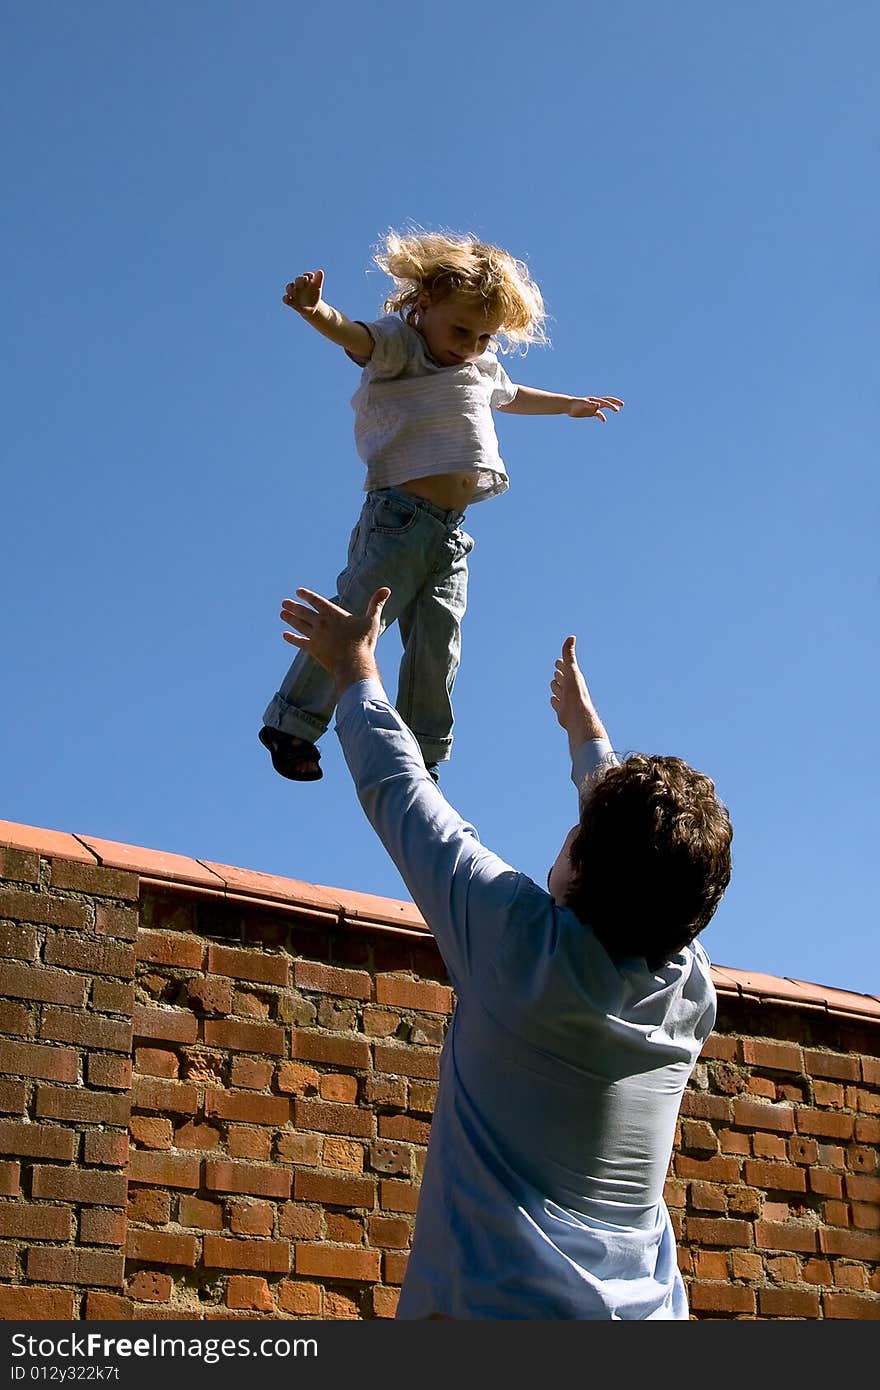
(451, 491)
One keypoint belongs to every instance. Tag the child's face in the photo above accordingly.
(456, 329)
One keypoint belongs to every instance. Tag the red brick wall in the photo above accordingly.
(217, 1104)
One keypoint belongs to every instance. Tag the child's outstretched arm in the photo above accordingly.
(304, 295)
(529, 401)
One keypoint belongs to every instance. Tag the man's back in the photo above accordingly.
(560, 1080)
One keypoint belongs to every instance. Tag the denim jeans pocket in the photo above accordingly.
(392, 516)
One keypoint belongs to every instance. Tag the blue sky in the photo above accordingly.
(694, 188)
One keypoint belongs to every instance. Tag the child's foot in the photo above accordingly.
(294, 758)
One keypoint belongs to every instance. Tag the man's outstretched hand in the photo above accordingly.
(341, 642)
(572, 702)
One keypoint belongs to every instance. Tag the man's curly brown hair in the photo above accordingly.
(651, 858)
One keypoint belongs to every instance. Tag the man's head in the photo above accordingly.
(648, 862)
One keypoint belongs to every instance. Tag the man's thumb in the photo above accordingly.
(378, 602)
(568, 650)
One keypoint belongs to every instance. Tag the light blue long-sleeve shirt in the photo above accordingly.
(560, 1078)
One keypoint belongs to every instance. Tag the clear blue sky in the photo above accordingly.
(694, 187)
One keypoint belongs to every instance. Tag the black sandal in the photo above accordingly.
(288, 755)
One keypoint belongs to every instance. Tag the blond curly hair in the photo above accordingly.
(445, 263)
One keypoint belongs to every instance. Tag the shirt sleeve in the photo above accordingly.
(391, 351)
(463, 890)
(503, 389)
(591, 758)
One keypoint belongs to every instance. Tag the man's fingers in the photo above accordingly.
(296, 641)
(321, 604)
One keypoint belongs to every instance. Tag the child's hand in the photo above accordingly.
(593, 407)
(304, 293)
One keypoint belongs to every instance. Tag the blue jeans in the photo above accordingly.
(420, 553)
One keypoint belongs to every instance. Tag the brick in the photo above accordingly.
(251, 1218)
(162, 1248)
(850, 1305)
(336, 1087)
(406, 1061)
(80, 1185)
(775, 1177)
(404, 1127)
(398, 1196)
(249, 1143)
(248, 1291)
(165, 1170)
(699, 1105)
(156, 1061)
(299, 1223)
(106, 1147)
(862, 1189)
(205, 1216)
(825, 1124)
(299, 1298)
(413, 994)
(708, 1197)
(86, 1030)
(788, 1303)
(394, 1264)
(150, 1286)
(379, 1023)
(220, 1252)
(146, 1204)
(816, 1272)
(10, 1179)
(389, 1232)
(721, 1298)
(827, 1093)
(151, 1093)
(75, 1103)
(152, 1132)
(773, 1235)
(120, 922)
(853, 1245)
(387, 1157)
(337, 1262)
(19, 865)
(36, 1141)
(704, 1230)
(836, 1065)
(297, 1079)
(329, 979)
(100, 1227)
(18, 942)
(347, 1154)
(802, 1150)
(384, 1301)
(298, 1148)
(108, 1307)
(170, 948)
(13, 1097)
(257, 1110)
(762, 1086)
(328, 1118)
(257, 966)
(166, 1025)
(39, 907)
(746, 1265)
(250, 1073)
(826, 1183)
(39, 982)
(870, 1071)
(113, 997)
(94, 879)
(18, 1018)
(95, 957)
(769, 1146)
(244, 1037)
(773, 1056)
(196, 1136)
(90, 1267)
(20, 1302)
(221, 1175)
(719, 1168)
(330, 1049)
(38, 1060)
(334, 1191)
(754, 1114)
(32, 1222)
(114, 1073)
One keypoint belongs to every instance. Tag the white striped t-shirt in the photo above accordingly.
(415, 418)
